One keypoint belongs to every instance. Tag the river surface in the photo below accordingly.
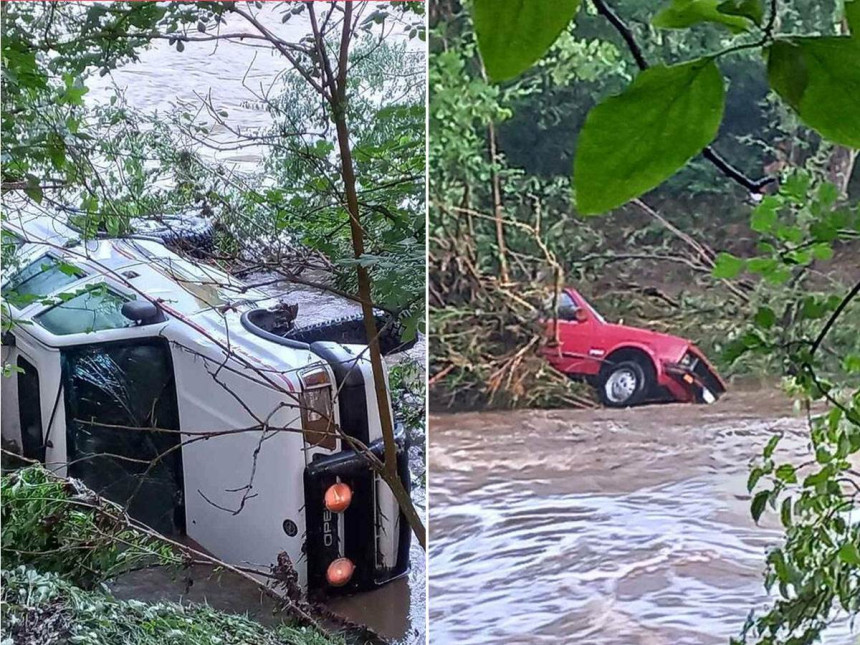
(229, 74)
(627, 527)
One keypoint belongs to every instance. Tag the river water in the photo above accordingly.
(229, 74)
(627, 527)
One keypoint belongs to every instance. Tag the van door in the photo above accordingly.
(122, 428)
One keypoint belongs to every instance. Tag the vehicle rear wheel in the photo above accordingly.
(190, 234)
(623, 384)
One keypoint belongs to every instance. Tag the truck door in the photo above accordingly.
(122, 428)
(575, 335)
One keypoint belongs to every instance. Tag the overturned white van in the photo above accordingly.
(171, 388)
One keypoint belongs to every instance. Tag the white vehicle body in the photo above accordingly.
(226, 409)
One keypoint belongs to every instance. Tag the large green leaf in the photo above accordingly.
(820, 79)
(513, 34)
(687, 13)
(752, 9)
(633, 142)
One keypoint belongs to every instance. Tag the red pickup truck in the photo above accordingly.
(627, 365)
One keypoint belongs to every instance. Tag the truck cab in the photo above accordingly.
(144, 375)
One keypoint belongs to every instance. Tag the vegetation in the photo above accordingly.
(722, 139)
(46, 608)
(60, 542)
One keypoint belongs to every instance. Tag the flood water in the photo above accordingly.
(229, 74)
(604, 527)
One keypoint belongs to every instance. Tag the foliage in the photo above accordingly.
(386, 115)
(48, 52)
(816, 75)
(59, 526)
(40, 607)
(633, 142)
(513, 35)
(816, 572)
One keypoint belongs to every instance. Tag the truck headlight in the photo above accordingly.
(687, 360)
(318, 423)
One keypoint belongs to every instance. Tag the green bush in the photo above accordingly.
(60, 526)
(45, 608)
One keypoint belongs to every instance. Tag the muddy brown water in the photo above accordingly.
(605, 527)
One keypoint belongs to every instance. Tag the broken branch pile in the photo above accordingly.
(486, 333)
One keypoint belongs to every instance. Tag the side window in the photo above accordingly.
(566, 306)
(122, 424)
(30, 411)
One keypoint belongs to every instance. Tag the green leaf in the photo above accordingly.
(758, 504)
(687, 13)
(785, 512)
(849, 553)
(820, 79)
(514, 34)
(752, 480)
(765, 317)
(786, 473)
(851, 364)
(752, 9)
(822, 251)
(34, 192)
(765, 215)
(727, 266)
(633, 142)
(771, 445)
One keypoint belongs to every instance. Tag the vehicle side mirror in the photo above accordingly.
(143, 312)
(581, 315)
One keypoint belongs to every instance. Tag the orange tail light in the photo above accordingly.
(338, 497)
(340, 572)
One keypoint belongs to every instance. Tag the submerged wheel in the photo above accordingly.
(623, 384)
(350, 330)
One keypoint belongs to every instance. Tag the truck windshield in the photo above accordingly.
(95, 309)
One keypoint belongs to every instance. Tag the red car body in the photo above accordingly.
(592, 349)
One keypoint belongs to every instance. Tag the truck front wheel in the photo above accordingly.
(623, 384)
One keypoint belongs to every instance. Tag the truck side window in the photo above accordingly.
(30, 411)
(566, 306)
(122, 423)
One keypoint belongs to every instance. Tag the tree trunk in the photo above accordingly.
(339, 106)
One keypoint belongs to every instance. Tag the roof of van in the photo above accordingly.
(200, 296)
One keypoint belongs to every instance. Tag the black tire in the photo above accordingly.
(192, 234)
(624, 384)
(349, 330)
